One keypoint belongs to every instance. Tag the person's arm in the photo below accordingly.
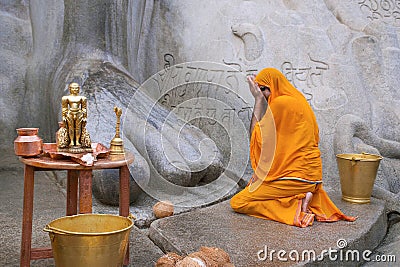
(260, 103)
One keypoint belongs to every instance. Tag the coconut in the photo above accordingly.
(190, 262)
(168, 260)
(200, 255)
(163, 209)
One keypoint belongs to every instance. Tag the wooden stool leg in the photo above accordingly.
(124, 199)
(72, 192)
(27, 216)
(85, 191)
(124, 191)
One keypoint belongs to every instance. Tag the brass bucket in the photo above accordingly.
(357, 176)
(89, 240)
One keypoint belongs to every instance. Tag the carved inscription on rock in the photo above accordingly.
(252, 38)
(310, 80)
(178, 83)
(211, 96)
(386, 10)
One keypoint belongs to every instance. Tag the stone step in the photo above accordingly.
(250, 241)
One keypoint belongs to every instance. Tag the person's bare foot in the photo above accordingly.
(306, 202)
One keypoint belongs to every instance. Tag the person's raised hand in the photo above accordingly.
(254, 89)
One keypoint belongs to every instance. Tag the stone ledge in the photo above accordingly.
(244, 236)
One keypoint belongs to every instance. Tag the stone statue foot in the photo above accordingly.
(176, 152)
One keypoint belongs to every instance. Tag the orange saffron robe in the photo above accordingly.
(286, 160)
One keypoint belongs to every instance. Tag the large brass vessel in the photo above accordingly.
(357, 176)
(84, 240)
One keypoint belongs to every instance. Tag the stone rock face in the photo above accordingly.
(342, 55)
(15, 46)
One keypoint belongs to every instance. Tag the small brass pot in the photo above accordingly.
(357, 176)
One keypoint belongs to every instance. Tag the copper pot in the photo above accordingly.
(28, 143)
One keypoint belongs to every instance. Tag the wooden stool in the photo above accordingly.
(77, 174)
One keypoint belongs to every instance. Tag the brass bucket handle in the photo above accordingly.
(354, 159)
(50, 229)
(378, 156)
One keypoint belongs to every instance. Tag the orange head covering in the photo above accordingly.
(295, 135)
(277, 83)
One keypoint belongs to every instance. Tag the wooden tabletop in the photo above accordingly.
(109, 162)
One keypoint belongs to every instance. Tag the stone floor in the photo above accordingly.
(241, 236)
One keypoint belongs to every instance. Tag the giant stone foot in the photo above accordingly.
(176, 152)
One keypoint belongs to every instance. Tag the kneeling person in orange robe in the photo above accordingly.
(287, 181)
